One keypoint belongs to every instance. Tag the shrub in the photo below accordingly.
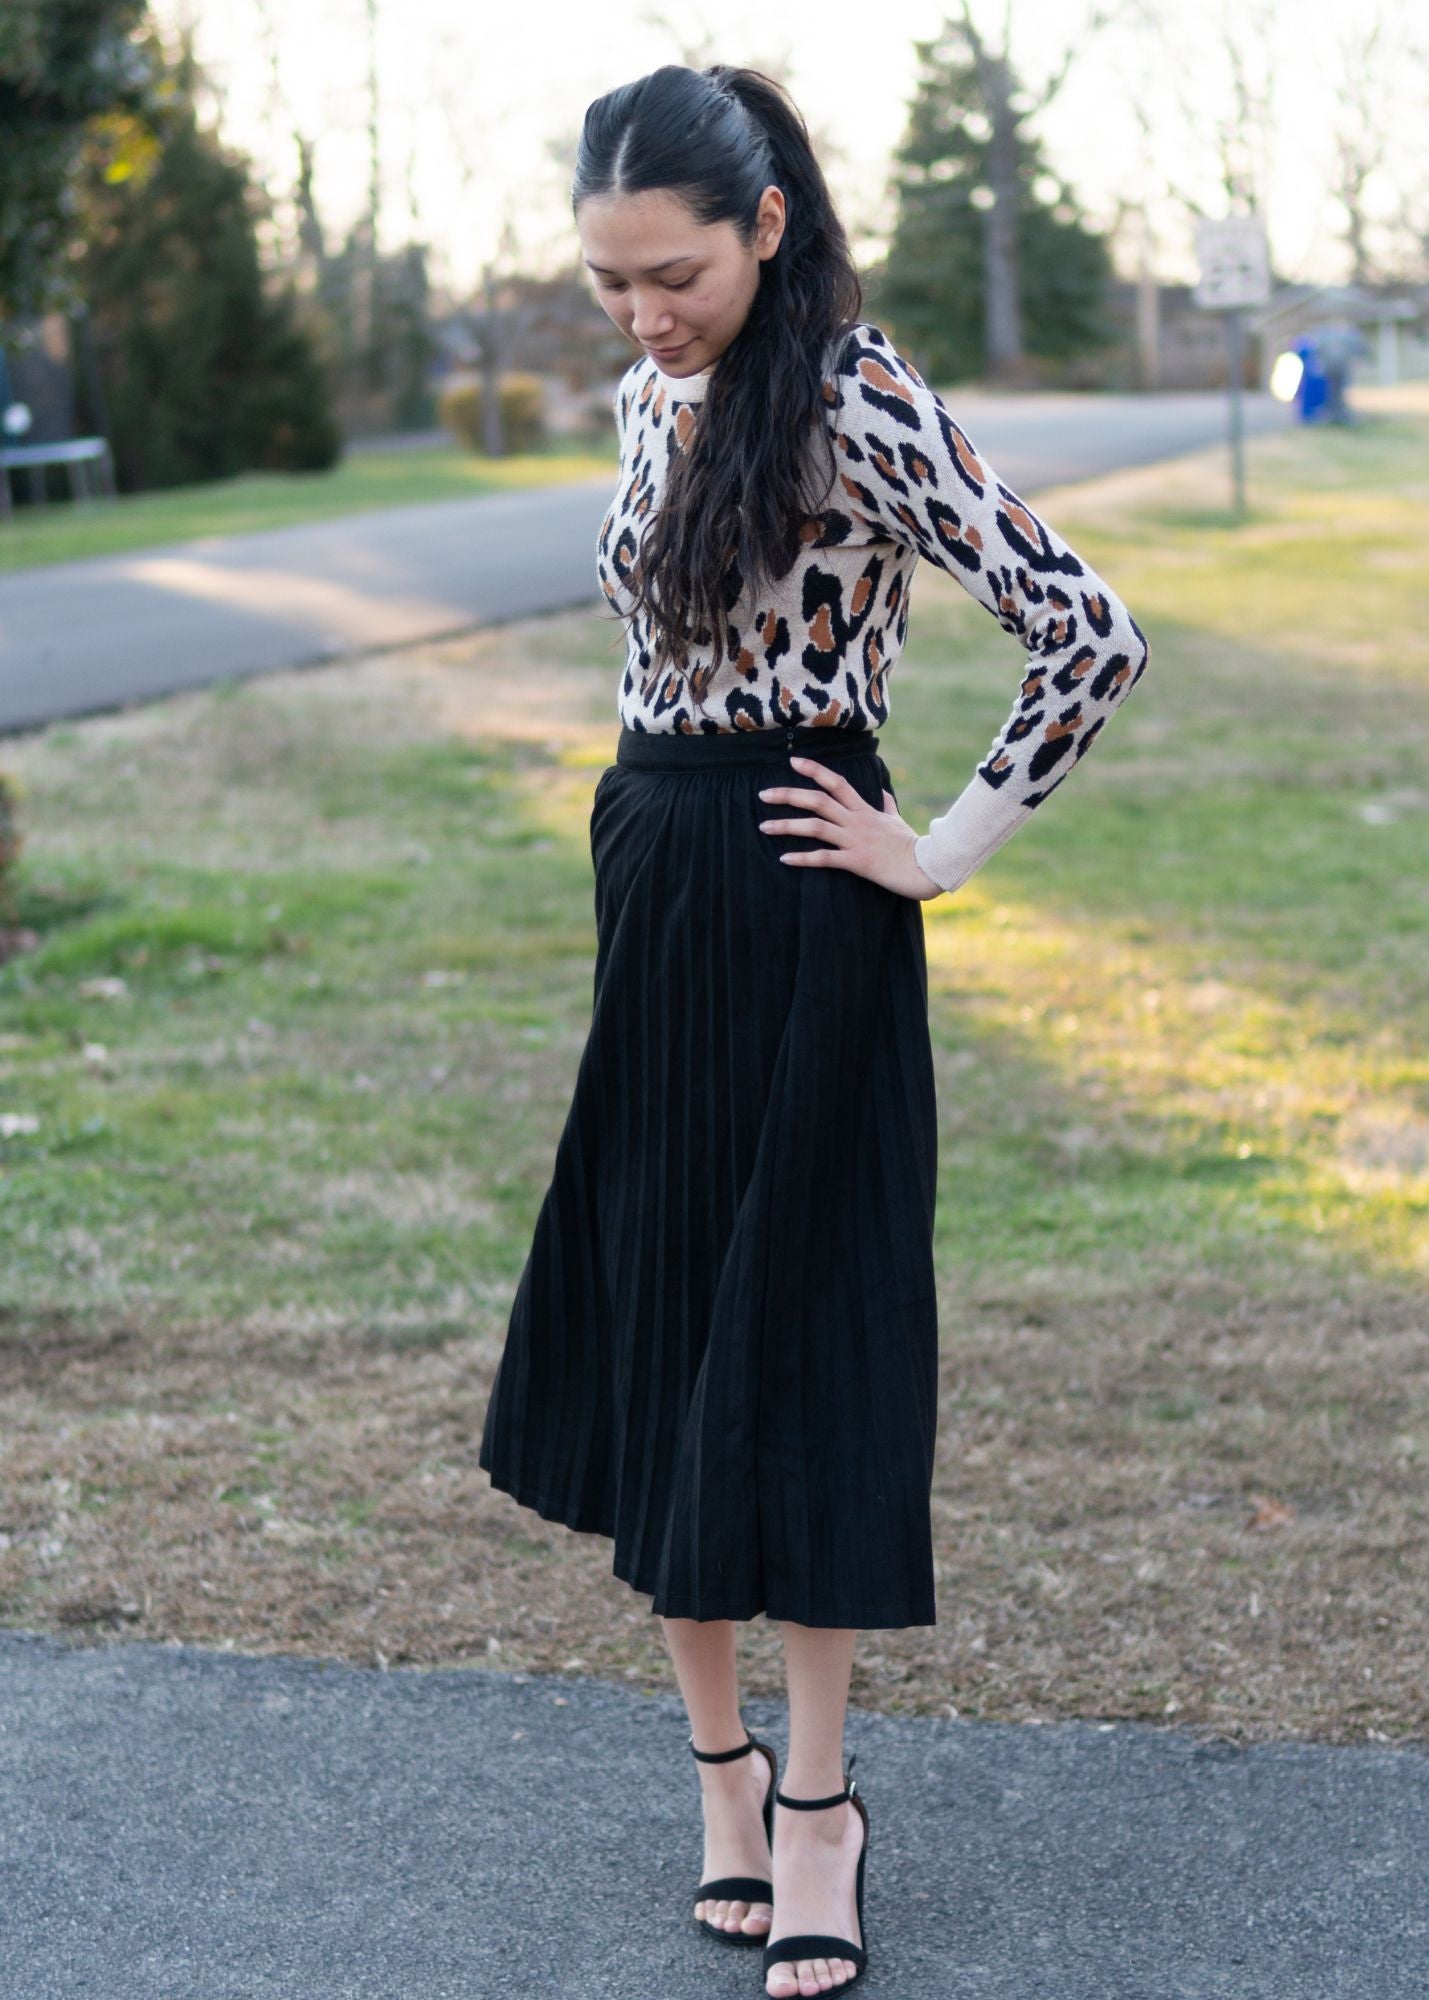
(523, 414)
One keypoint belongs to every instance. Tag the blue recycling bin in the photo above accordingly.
(1311, 398)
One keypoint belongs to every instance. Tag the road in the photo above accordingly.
(186, 1825)
(83, 636)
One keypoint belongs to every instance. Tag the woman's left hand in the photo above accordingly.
(863, 839)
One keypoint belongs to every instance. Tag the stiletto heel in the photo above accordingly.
(741, 1888)
(816, 1944)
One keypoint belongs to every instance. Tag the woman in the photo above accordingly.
(723, 1351)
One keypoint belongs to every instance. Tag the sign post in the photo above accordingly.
(1235, 273)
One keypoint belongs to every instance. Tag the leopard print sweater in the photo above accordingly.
(820, 646)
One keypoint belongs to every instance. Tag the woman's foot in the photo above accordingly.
(815, 1876)
(735, 1842)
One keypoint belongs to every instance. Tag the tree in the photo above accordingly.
(373, 303)
(65, 65)
(207, 370)
(989, 260)
(1375, 68)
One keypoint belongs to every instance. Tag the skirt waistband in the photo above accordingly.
(671, 750)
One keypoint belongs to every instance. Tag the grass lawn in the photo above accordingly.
(312, 982)
(363, 480)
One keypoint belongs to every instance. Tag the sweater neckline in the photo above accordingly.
(681, 388)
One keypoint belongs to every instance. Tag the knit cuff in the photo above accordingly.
(961, 839)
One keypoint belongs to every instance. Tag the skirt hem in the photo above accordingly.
(882, 1618)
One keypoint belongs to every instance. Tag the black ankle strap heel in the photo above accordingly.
(818, 1944)
(740, 1888)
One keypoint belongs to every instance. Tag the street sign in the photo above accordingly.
(1235, 273)
(1235, 262)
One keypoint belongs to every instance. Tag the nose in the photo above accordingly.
(653, 327)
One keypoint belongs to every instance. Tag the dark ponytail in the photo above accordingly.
(734, 510)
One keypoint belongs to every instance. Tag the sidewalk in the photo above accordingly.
(208, 1826)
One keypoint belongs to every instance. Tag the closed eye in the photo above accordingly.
(683, 286)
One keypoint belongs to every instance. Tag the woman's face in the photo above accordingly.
(678, 287)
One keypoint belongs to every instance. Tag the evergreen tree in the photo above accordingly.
(64, 65)
(207, 371)
(932, 286)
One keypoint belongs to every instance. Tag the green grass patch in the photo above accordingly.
(1182, 1007)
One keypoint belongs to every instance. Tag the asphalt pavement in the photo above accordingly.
(80, 637)
(178, 1824)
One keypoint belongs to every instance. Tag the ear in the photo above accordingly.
(770, 219)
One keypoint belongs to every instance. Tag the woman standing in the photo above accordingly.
(723, 1351)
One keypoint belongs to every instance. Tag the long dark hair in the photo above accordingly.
(732, 514)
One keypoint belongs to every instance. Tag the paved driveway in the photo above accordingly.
(184, 1825)
(76, 637)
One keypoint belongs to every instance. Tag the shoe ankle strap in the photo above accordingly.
(834, 1798)
(724, 1756)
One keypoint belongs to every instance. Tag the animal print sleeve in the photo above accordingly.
(908, 469)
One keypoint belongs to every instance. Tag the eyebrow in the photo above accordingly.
(650, 270)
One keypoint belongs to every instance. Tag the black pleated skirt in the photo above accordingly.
(723, 1349)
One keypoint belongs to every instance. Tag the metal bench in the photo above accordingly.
(88, 462)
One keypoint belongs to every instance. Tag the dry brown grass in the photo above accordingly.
(1246, 1559)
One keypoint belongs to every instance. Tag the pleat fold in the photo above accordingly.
(723, 1348)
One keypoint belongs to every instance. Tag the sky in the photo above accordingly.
(480, 107)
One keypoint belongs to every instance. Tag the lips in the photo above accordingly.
(669, 353)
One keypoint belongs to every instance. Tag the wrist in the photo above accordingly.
(935, 887)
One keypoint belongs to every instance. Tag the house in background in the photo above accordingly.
(1393, 318)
